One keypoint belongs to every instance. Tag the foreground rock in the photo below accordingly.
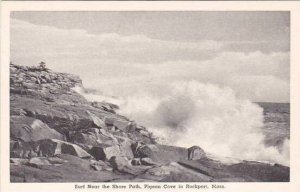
(160, 153)
(89, 138)
(29, 129)
(240, 172)
(56, 135)
(74, 169)
(46, 148)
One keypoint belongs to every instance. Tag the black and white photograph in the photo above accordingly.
(149, 96)
(182, 96)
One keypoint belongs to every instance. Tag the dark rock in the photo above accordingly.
(47, 148)
(136, 161)
(60, 116)
(109, 121)
(88, 138)
(201, 167)
(105, 106)
(160, 153)
(96, 167)
(22, 149)
(173, 172)
(105, 152)
(141, 150)
(74, 170)
(238, 172)
(195, 152)
(147, 161)
(67, 148)
(260, 172)
(30, 129)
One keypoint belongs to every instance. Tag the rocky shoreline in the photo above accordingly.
(56, 135)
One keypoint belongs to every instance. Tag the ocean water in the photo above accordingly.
(276, 125)
(213, 117)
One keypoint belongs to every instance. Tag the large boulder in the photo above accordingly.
(30, 129)
(119, 163)
(87, 138)
(195, 152)
(84, 140)
(104, 145)
(160, 153)
(125, 146)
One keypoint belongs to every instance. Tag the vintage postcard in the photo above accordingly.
(150, 96)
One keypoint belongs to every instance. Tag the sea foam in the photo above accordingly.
(193, 113)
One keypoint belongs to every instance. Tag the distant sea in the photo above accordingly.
(276, 122)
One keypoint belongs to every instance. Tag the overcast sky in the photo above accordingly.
(246, 51)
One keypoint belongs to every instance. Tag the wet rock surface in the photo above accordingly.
(56, 135)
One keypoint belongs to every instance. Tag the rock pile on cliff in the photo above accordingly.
(57, 135)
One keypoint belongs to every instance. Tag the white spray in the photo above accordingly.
(212, 117)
